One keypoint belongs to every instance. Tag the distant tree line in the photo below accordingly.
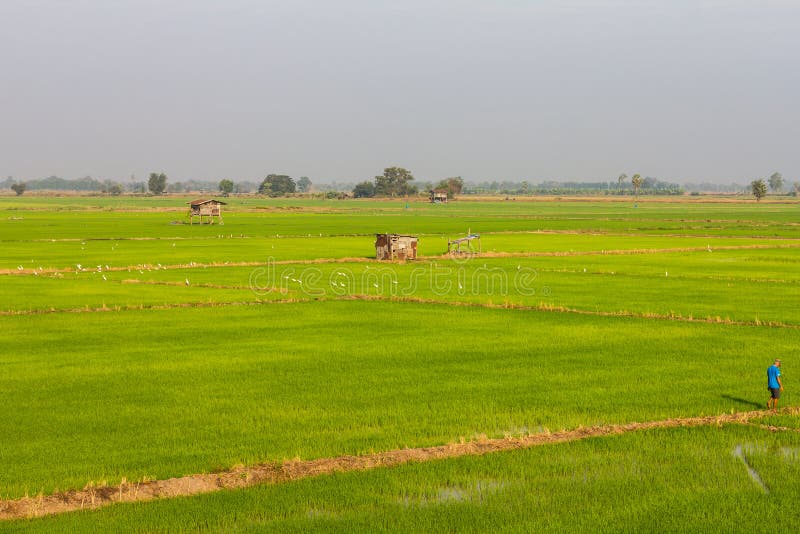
(394, 182)
(707, 187)
(620, 186)
(204, 185)
(157, 183)
(398, 182)
(54, 183)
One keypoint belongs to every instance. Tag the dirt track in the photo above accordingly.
(92, 497)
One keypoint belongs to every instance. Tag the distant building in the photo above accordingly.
(395, 247)
(438, 195)
(205, 208)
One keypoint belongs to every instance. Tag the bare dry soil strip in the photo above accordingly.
(92, 497)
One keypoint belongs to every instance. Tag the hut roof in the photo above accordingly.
(201, 201)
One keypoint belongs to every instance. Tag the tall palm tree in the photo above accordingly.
(621, 180)
(637, 183)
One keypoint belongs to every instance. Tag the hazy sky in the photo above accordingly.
(337, 90)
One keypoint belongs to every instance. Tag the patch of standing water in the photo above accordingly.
(739, 452)
(454, 494)
(790, 453)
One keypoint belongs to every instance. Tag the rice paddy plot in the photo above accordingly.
(24, 219)
(162, 393)
(222, 248)
(730, 286)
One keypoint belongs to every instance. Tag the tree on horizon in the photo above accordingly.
(776, 182)
(226, 187)
(759, 189)
(394, 181)
(19, 188)
(637, 184)
(157, 183)
(277, 185)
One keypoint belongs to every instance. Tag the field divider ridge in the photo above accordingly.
(541, 307)
(545, 307)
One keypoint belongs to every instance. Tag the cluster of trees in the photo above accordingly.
(454, 186)
(776, 182)
(364, 190)
(157, 183)
(636, 182)
(112, 188)
(759, 186)
(226, 187)
(395, 181)
(304, 184)
(278, 185)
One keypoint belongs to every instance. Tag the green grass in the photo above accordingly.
(677, 480)
(227, 248)
(166, 393)
(54, 219)
(737, 285)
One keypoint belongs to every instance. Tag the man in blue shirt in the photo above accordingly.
(774, 384)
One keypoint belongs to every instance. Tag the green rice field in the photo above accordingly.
(135, 346)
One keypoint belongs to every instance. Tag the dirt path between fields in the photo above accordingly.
(92, 497)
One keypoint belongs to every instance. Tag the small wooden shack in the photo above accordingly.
(205, 208)
(471, 244)
(438, 195)
(395, 247)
